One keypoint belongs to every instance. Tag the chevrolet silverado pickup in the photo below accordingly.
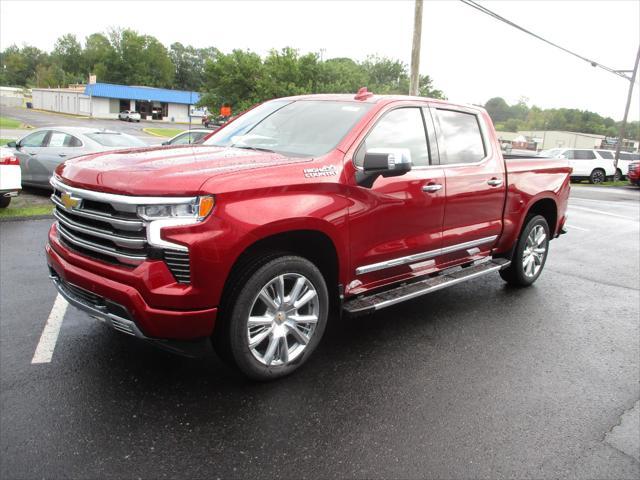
(300, 210)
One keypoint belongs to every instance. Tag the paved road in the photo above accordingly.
(46, 119)
(479, 380)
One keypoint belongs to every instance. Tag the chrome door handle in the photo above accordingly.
(432, 187)
(62, 154)
(495, 182)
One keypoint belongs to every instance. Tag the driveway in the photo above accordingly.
(38, 119)
(476, 381)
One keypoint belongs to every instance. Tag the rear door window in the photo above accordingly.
(60, 139)
(583, 155)
(461, 137)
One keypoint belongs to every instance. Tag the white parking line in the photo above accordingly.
(49, 337)
(573, 227)
(602, 212)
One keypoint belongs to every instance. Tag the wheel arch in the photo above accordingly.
(546, 207)
(313, 244)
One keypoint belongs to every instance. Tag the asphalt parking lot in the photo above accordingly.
(477, 381)
(39, 119)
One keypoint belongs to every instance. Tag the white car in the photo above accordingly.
(587, 164)
(129, 116)
(624, 161)
(10, 176)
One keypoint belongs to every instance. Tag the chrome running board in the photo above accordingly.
(377, 301)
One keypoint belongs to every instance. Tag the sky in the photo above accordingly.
(470, 56)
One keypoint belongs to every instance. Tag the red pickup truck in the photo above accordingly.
(299, 210)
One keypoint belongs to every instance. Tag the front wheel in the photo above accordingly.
(530, 253)
(276, 317)
(4, 202)
(597, 176)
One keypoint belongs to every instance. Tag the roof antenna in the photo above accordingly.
(363, 94)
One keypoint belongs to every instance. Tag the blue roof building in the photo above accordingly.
(149, 94)
(106, 100)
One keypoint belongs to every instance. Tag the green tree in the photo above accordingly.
(233, 78)
(68, 54)
(189, 65)
(100, 57)
(498, 109)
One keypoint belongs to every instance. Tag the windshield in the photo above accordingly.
(116, 140)
(303, 127)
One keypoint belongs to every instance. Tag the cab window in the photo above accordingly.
(399, 128)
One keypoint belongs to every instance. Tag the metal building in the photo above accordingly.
(105, 100)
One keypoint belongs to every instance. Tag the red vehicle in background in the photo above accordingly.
(634, 173)
(300, 209)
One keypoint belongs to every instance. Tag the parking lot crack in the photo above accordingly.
(625, 436)
(600, 282)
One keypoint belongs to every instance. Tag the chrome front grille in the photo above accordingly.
(101, 232)
(107, 227)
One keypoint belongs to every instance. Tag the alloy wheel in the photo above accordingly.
(534, 251)
(597, 177)
(282, 319)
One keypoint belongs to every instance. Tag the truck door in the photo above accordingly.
(396, 225)
(475, 182)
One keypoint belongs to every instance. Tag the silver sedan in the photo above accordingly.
(42, 150)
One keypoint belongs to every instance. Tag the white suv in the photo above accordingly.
(129, 116)
(587, 164)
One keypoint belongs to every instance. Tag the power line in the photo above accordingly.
(593, 63)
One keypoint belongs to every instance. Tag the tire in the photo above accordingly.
(4, 202)
(618, 175)
(129, 119)
(284, 338)
(527, 263)
(597, 176)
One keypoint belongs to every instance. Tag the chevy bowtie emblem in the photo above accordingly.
(69, 201)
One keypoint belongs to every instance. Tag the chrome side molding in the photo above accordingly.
(417, 257)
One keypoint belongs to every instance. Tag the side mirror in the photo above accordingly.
(385, 162)
(12, 145)
(165, 143)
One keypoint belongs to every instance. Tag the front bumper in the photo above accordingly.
(144, 321)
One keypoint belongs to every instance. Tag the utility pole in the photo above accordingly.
(623, 125)
(414, 84)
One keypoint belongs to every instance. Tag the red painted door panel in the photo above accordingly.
(394, 219)
(475, 181)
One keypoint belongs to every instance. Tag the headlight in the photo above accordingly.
(196, 210)
(161, 216)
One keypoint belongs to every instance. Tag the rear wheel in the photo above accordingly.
(4, 202)
(597, 176)
(530, 253)
(275, 317)
(618, 176)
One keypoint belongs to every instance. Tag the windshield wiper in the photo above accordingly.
(250, 147)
